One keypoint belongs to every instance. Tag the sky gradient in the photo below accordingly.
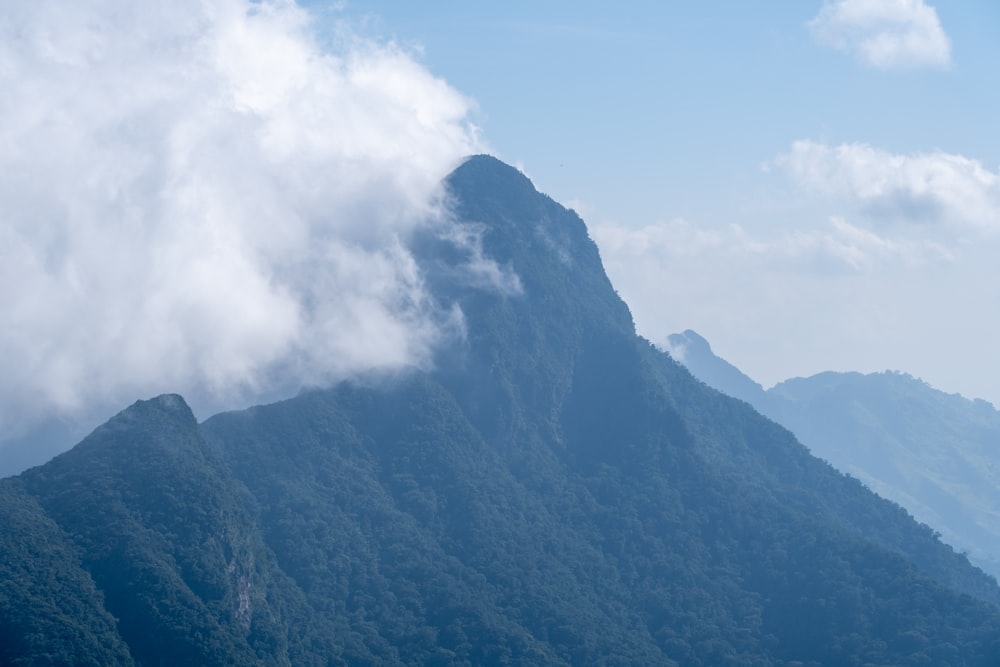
(810, 185)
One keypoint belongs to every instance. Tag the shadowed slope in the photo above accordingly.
(555, 492)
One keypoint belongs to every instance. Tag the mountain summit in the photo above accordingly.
(555, 492)
(689, 348)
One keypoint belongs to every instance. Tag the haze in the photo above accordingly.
(810, 185)
(191, 192)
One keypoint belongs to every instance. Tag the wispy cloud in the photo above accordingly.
(199, 197)
(829, 293)
(935, 188)
(885, 34)
(836, 247)
(469, 265)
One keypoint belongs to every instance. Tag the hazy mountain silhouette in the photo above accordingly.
(936, 454)
(696, 354)
(556, 491)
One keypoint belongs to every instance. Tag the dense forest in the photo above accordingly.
(936, 454)
(555, 491)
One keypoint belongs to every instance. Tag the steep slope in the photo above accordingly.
(152, 519)
(555, 492)
(570, 322)
(49, 604)
(696, 354)
(936, 454)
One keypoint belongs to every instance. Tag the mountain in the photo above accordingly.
(556, 491)
(696, 354)
(936, 454)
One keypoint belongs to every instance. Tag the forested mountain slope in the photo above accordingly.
(936, 454)
(555, 491)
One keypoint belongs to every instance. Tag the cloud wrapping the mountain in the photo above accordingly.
(937, 188)
(885, 34)
(209, 197)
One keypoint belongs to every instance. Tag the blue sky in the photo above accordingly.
(670, 127)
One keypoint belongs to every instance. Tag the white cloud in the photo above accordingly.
(477, 270)
(935, 188)
(836, 248)
(872, 259)
(789, 302)
(886, 34)
(197, 197)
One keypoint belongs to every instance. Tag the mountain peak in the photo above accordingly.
(172, 406)
(489, 171)
(526, 232)
(525, 342)
(164, 421)
(688, 340)
(692, 350)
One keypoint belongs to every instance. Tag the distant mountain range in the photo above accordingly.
(556, 491)
(936, 454)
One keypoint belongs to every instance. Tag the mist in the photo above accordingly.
(211, 199)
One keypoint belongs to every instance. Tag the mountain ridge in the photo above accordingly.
(554, 491)
(933, 453)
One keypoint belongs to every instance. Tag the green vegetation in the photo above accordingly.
(556, 492)
(935, 454)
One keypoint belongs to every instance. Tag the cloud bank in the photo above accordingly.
(199, 197)
(938, 188)
(878, 212)
(830, 295)
(864, 259)
(837, 247)
(885, 34)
